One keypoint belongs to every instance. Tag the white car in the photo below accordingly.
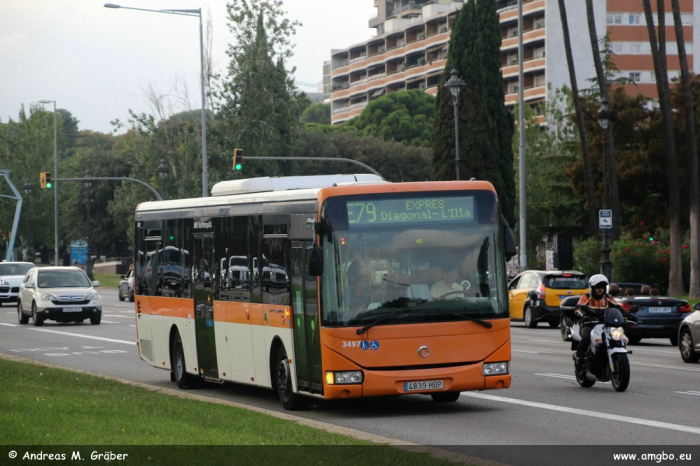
(126, 286)
(63, 294)
(11, 275)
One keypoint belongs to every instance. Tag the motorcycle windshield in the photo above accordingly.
(613, 317)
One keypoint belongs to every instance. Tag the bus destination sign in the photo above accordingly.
(433, 209)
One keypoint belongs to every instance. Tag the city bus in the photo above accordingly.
(327, 287)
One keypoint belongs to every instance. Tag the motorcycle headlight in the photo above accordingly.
(617, 333)
(49, 297)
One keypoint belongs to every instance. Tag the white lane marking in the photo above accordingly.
(583, 412)
(549, 341)
(110, 322)
(690, 393)
(10, 325)
(118, 316)
(666, 366)
(559, 376)
(530, 352)
(84, 336)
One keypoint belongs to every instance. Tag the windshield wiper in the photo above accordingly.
(484, 323)
(362, 330)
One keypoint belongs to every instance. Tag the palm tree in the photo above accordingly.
(592, 223)
(609, 156)
(694, 181)
(658, 54)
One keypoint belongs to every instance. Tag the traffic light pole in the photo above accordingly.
(323, 159)
(113, 178)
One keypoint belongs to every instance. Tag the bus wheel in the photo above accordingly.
(182, 378)
(290, 400)
(445, 397)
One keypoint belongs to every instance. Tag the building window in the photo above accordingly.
(635, 76)
(634, 18)
(540, 81)
(614, 19)
(635, 48)
(652, 76)
(513, 88)
(512, 59)
(618, 48)
(539, 52)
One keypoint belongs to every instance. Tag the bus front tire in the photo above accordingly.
(290, 400)
(180, 375)
(445, 397)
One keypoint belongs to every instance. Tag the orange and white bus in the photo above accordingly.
(327, 287)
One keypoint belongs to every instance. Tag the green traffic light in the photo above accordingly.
(49, 185)
(238, 166)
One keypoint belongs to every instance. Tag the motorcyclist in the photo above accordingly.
(593, 305)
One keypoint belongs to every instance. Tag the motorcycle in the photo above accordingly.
(606, 357)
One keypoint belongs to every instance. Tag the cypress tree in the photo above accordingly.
(485, 126)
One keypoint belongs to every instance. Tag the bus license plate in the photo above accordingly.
(72, 309)
(424, 385)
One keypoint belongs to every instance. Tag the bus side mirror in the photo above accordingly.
(509, 240)
(316, 261)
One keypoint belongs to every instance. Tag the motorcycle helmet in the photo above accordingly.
(598, 279)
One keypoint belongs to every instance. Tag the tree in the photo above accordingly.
(693, 174)
(317, 113)
(485, 126)
(591, 207)
(658, 53)
(407, 117)
(259, 109)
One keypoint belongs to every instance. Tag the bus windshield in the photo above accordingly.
(418, 258)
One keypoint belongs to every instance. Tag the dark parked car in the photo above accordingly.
(659, 316)
(689, 336)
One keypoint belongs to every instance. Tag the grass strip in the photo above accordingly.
(56, 410)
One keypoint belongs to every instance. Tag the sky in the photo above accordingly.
(97, 62)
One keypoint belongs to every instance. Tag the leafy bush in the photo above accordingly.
(587, 255)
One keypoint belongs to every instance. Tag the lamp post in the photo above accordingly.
(55, 176)
(197, 12)
(28, 189)
(454, 84)
(163, 171)
(605, 115)
(88, 185)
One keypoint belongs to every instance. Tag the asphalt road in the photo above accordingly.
(544, 406)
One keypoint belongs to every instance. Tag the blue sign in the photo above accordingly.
(374, 345)
(78, 251)
(364, 344)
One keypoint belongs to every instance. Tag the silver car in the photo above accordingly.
(689, 336)
(11, 275)
(63, 294)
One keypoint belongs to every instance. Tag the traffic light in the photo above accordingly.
(237, 159)
(45, 179)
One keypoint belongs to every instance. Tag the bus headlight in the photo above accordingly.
(496, 368)
(344, 378)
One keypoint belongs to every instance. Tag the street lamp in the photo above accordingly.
(55, 176)
(454, 84)
(605, 116)
(88, 184)
(197, 12)
(28, 189)
(163, 171)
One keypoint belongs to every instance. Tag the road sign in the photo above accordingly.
(605, 219)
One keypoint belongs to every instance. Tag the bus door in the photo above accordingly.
(307, 335)
(203, 304)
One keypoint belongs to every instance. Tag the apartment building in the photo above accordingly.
(409, 49)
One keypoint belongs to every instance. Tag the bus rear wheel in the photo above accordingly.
(290, 400)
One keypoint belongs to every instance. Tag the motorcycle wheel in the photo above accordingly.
(621, 377)
(582, 379)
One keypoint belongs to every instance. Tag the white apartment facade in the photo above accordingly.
(410, 48)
